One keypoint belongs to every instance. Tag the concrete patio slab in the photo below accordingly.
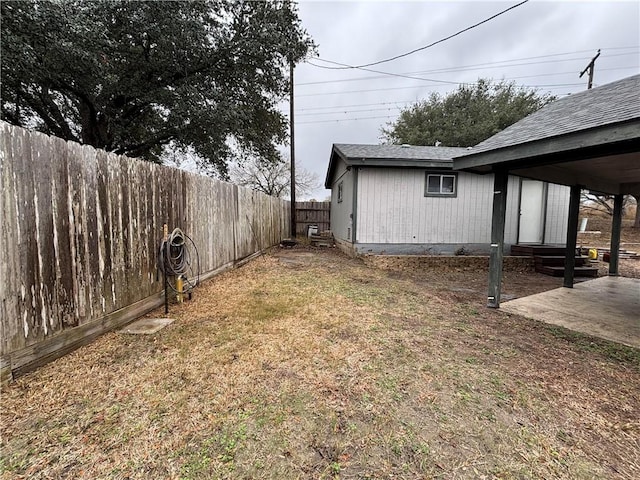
(607, 307)
(146, 326)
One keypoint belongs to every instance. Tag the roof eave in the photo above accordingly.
(597, 138)
(400, 163)
(334, 151)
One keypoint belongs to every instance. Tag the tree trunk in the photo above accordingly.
(636, 222)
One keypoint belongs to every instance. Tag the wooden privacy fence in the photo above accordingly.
(312, 213)
(79, 233)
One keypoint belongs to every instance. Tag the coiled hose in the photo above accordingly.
(175, 259)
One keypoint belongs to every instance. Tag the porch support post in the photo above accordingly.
(500, 181)
(616, 226)
(572, 235)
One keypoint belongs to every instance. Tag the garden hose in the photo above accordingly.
(176, 259)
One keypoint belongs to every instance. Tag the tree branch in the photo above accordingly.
(37, 104)
(143, 147)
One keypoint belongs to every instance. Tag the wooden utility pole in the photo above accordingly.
(293, 153)
(590, 69)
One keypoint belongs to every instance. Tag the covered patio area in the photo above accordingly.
(606, 307)
(587, 141)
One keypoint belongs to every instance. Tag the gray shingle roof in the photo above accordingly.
(399, 152)
(611, 103)
(391, 156)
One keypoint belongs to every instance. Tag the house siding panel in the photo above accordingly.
(513, 210)
(557, 214)
(392, 209)
(341, 220)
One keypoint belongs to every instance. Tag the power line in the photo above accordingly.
(391, 74)
(430, 79)
(464, 67)
(340, 120)
(431, 44)
(345, 120)
(339, 112)
(364, 91)
(548, 86)
(356, 105)
(632, 67)
(491, 64)
(397, 102)
(459, 69)
(377, 77)
(444, 83)
(340, 109)
(344, 109)
(541, 56)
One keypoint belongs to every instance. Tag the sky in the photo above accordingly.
(540, 44)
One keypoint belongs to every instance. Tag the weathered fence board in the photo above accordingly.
(312, 213)
(80, 231)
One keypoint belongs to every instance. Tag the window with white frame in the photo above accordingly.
(440, 184)
(339, 192)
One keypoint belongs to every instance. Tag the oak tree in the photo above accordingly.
(466, 116)
(132, 77)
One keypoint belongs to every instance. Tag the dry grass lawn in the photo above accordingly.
(306, 364)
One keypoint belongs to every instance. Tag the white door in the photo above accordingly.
(532, 204)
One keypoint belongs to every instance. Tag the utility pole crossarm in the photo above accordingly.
(590, 69)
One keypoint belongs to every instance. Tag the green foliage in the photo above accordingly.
(465, 117)
(133, 77)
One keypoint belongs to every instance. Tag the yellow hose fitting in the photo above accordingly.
(179, 289)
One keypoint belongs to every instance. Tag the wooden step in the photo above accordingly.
(559, 271)
(557, 260)
(532, 250)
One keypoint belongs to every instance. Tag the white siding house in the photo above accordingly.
(342, 201)
(407, 200)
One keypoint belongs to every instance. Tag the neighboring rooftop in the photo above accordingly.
(614, 102)
(404, 156)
